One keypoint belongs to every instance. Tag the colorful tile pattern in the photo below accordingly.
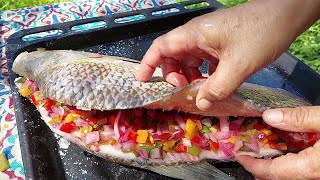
(15, 20)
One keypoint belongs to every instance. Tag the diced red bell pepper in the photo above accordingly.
(92, 121)
(214, 145)
(49, 104)
(34, 100)
(132, 136)
(68, 127)
(196, 139)
(164, 136)
(180, 148)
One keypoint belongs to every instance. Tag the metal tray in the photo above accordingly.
(45, 156)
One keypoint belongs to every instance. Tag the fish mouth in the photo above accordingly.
(149, 136)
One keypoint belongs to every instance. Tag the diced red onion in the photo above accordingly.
(155, 153)
(227, 149)
(253, 145)
(104, 135)
(122, 128)
(233, 133)
(186, 142)
(117, 145)
(222, 135)
(80, 122)
(143, 153)
(58, 110)
(156, 137)
(224, 124)
(176, 134)
(92, 137)
(213, 138)
(116, 125)
(127, 146)
(180, 121)
(206, 122)
(126, 134)
(53, 115)
(26, 83)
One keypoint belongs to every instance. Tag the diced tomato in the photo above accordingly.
(312, 138)
(272, 144)
(180, 148)
(214, 145)
(49, 104)
(92, 121)
(196, 139)
(164, 136)
(132, 136)
(67, 127)
(34, 100)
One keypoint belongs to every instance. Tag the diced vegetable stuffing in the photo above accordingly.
(153, 133)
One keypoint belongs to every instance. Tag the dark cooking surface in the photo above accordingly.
(46, 156)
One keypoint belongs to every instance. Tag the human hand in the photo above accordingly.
(305, 164)
(237, 42)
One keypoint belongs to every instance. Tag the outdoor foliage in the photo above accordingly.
(306, 47)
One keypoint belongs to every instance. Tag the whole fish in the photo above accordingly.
(95, 101)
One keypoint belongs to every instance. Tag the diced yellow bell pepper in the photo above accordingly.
(69, 118)
(190, 129)
(168, 145)
(199, 125)
(265, 141)
(151, 139)
(142, 136)
(25, 92)
(267, 132)
(282, 146)
(86, 130)
(233, 140)
(56, 120)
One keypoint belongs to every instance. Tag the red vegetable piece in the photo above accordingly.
(196, 139)
(67, 127)
(180, 148)
(132, 136)
(213, 145)
(49, 104)
(164, 136)
(103, 121)
(92, 121)
(258, 126)
(34, 100)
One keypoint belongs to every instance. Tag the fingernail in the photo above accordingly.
(204, 104)
(273, 116)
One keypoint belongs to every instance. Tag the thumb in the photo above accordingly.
(300, 119)
(220, 84)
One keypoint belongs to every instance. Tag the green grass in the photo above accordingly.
(306, 47)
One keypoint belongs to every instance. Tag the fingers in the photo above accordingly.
(171, 73)
(304, 165)
(301, 119)
(220, 84)
(171, 45)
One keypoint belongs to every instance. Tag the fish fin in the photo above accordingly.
(194, 171)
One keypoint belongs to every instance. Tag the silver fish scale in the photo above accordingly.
(100, 84)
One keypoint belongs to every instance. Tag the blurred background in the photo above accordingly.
(306, 47)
